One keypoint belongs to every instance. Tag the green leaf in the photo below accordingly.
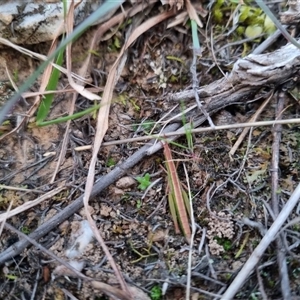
(253, 31)
(269, 26)
(105, 8)
(245, 10)
(284, 32)
(117, 42)
(144, 181)
(52, 85)
(218, 15)
(196, 43)
(156, 293)
(67, 118)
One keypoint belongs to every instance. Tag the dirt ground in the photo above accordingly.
(231, 195)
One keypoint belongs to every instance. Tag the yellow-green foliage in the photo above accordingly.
(252, 21)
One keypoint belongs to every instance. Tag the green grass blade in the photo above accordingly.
(103, 10)
(46, 102)
(173, 210)
(196, 43)
(72, 117)
(65, 7)
(186, 201)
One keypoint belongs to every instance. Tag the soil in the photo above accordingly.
(136, 222)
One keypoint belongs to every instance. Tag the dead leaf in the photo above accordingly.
(178, 3)
(125, 182)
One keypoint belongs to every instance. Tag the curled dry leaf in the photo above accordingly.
(64, 271)
(115, 293)
(125, 182)
(193, 13)
(179, 3)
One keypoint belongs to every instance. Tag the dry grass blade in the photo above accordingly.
(253, 119)
(262, 246)
(30, 204)
(189, 267)
(137, 294)
(63, 91)
(178, 206)
(6, 216)
(193, 13)
(69, 26)
(38, 56)
(102, 125)
(77, 87)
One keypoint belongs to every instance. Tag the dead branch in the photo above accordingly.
(77, 204)
(248, 76)
(281, 257)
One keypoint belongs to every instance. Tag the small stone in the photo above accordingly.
(125, 182)
(32, 22)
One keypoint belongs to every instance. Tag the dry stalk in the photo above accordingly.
(102, 125)
(69, 28)
(189, 270)
(252, 119)
(177, 203)
(262, 246)
(182, 131)
(29, 204)
(281, 257)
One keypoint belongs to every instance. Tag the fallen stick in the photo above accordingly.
(256, 255)
(102, 183)
(248, 76)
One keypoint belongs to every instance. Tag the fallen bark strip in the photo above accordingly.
(249, 75)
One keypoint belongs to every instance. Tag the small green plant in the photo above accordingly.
(110, 162)
(45, 105)
(138, 203)
(143, 181)
(156, 293)
(188, 130)
(296, 273)
(226, 243)
(16, 75)
(11, 277)
(253, 296)
(25, 230)
(252, 21)
(147, 126)
(144, 253)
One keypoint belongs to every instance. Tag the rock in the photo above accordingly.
(32, 22)
(125, 182)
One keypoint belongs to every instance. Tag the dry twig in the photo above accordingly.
(262, 246)
(281, 258)
(68, 211)
(252, 120)
(102, 126)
